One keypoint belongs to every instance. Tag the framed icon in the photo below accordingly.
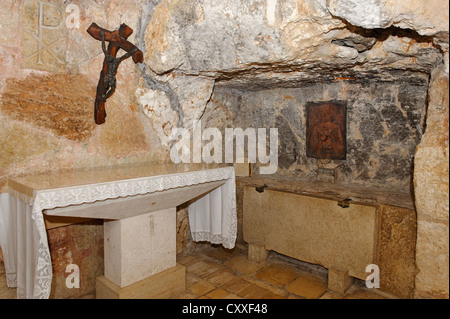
(326, 130)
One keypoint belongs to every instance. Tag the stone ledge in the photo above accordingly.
(372, 196)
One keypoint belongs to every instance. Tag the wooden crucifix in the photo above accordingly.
(107, 83)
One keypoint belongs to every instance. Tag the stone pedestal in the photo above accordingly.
(160, 286)
(257, 252)
(140, 257)
(339, 280)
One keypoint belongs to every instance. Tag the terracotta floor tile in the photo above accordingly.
(9, 293)
(235, 285)
(242, 265)
(331, 295)
(184, 295)
(363, 294)
(218, 293)
(200, 288)
(254, 291)
(220, 277)
(232, 296)
(308, 286)
(202, 268)
(277, 275)
(5, 292)
(220, 253)
(185, 260)
(191, 280)
(214, 273)
(267, 286)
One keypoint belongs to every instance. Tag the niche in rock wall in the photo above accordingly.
(381, 123)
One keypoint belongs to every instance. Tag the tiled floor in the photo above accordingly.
(213, 272)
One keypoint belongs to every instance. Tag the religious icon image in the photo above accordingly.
(326, 130)
(107, 83)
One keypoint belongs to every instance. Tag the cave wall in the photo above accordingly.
(431, 181)
(385, 122)
(49, 70)
(208, 60)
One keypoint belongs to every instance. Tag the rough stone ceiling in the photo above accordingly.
(193, 46)
(239, 45)
(396, 66)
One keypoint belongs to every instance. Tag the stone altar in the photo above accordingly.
(138, 205)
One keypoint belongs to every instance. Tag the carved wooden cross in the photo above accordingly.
(107, 83)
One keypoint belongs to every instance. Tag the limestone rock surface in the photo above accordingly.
(262, 44)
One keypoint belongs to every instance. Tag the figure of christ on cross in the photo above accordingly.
(107, 82)
(113, 65)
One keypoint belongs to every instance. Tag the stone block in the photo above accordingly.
(139, 247)
(432, 273)
(397, 250)
(339, 280)
(160, 286)
(311, 229)
(431, 178)
(257, 253)
(431, 184)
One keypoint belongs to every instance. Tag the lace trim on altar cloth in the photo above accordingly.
(24, 198)
(226, 218)
(227, 242)
(11, 280)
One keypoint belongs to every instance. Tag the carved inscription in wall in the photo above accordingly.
(44, 35)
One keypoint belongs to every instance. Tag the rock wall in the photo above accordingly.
(431, 180)
(384, 126)
(49, 69)
(266, 45)
(205, 59)
(262, 44)
(49, 75)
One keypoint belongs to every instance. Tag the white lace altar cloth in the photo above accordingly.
(24, 238)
